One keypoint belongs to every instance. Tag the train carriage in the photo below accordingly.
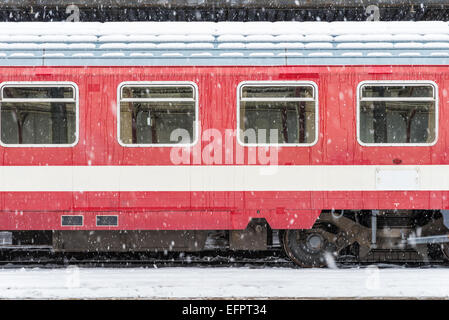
(151, 136)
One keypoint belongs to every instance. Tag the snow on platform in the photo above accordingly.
(223, 283)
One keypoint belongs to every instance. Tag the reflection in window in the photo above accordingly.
(157, 114)
(397, 113)
(38, 114)
(277, 114)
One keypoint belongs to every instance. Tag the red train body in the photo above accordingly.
(217, 86)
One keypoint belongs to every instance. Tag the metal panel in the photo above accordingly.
(120, 241)
(398, 179)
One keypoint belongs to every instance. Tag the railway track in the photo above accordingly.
(275, 258)
(39, 258)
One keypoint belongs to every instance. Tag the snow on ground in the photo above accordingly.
(220, 282)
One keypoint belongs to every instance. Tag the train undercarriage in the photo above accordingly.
(370, 236)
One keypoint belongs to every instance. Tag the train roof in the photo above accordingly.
(223, 43)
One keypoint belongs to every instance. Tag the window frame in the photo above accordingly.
(106, 225)
(279, 83)
(392, 83)
(159, 83)
(43, 84)
(72, 226)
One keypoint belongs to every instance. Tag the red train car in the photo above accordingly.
(149, 136)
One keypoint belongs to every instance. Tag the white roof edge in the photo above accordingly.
(209, 39)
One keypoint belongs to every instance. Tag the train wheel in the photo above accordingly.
(308, 248)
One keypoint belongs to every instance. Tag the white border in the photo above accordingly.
(194, 178)
(73, 215)
(159, 83)
(278, 83)
(43, 84)
(106, 215)
(398, 82)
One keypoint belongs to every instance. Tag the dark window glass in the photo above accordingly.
(164, 92)
(397, 91)
(17, 92)
(45, 121)
(277, 92)
(165, 115)
(390, 120)
(277, 115)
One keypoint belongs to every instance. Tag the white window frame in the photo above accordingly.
(44, 84)
(158, 84)
(401, 83)
(106, 226)
(278, 84)
(72, 226)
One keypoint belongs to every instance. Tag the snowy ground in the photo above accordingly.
(224, 283)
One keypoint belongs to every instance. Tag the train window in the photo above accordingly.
(162, 114)
(277, 113)
(38, 114)
(397, 113)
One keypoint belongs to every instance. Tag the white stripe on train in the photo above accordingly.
(223, 178)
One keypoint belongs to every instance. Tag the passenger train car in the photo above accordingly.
(329, 137)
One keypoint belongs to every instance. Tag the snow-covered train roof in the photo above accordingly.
(223, 43)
